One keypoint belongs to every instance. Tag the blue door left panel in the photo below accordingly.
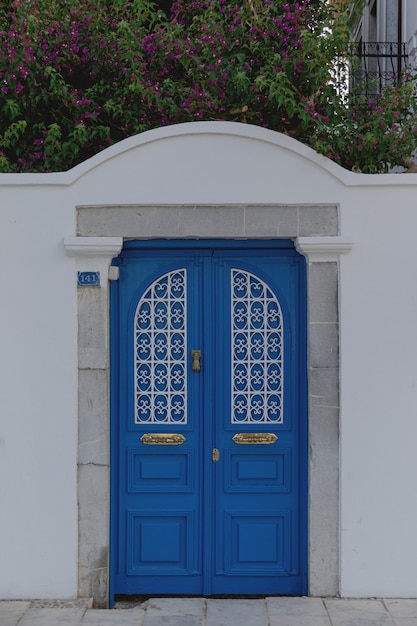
(159, 526)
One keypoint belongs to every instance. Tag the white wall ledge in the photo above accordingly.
(323, 249)
(93, 246)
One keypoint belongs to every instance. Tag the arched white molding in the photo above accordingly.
(323, 249)
(219, 128)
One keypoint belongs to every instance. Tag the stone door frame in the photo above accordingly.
(101, 231)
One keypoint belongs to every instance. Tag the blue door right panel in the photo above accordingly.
(209, 480)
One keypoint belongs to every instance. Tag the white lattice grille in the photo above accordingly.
(257, 351)
(160, 351)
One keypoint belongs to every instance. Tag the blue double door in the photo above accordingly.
(208, 420)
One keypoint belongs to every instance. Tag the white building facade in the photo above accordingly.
(239, 188)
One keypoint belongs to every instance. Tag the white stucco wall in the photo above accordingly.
(378, 397)
(38, 432)
(208, 163)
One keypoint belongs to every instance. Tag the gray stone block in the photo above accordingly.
(318, 220)
(93, 490)
(324, 345)
(324, 554)
(160, 221)
(93, 328)
(324, 431)
(113, 221)
(323, 292)
(324, 387)
(213, 221)
(273, 221)
(323, 502)
(93, 410)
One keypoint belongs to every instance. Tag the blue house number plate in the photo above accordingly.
(88, 279)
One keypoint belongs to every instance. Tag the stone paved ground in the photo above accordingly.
(276, 611)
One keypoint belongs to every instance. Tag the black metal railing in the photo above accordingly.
(376, 64)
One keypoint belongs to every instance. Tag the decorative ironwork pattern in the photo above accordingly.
(160, 351)
(375, 64)
(257, 351)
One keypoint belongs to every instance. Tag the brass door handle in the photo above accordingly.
(250, 438)
(162, 439)
(196, 356)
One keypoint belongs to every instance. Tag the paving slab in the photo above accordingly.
(240, 612)
(175, 606)
(174, 611)
(114, 617)
(402, 608)
(11, 612)
(296, 606)
(297, 612)
(358, 613)
(75, 603)
(299, 620)
(173, 620)
(52, 617)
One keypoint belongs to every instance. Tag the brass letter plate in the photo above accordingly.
(255, 438)
(162, 439)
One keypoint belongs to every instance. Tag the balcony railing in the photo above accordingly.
(376, 64)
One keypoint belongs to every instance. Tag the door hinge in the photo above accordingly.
(215, 455)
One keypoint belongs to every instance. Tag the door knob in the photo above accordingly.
(196, 356)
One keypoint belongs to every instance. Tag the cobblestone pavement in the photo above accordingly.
(271, 611)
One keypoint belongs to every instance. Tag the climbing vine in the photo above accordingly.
(76, 77)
